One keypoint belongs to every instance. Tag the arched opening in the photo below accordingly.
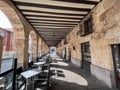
(32, 50)
(12, 41)
(16, 43)
(6, 32)
(53, 50)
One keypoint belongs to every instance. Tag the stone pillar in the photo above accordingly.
(1, 49)
(19, 50)
(37, 51)
(26, 56)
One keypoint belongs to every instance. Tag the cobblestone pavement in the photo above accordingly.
(66, 76)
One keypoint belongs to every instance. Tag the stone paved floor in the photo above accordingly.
(65, 76)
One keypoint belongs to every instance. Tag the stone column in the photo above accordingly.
(26, 56)
(19, 50)
(37, 51)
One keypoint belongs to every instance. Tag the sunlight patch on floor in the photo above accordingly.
(59, 59)
(63, 64)
(66, 75)
(70, 77)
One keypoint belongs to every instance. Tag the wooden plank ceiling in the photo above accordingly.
(54, 19)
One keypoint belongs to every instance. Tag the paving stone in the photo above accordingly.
(69, 77)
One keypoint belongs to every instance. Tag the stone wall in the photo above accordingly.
(106, 31)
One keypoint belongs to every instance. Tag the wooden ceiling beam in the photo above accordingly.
(51, 36)
(55, 33)
(61, 34)
(38, 24)
(51, 6)
(53, 26)
(56, 37)
(52, 20)
(52, 23)
(63, 31)
(52, 39)
(42, 16)
(54, 13)
(79, 1)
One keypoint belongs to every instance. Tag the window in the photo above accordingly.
(68, 39)
(2, 33)
(116, 60)
(65, 41)
(4, 39)
(81, 30)
(73, 47)
(78, 33)
(86, 27)
(86, 51)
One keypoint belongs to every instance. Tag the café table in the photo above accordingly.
(30, 76)
(39, 63)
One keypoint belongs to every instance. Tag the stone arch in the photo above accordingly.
(18, 29)
(32, 44)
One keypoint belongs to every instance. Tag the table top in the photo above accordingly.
(39, 63)
(30, 73)
(41, 60)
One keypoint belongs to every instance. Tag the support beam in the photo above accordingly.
(55, 13)
(43, 16)
(54, 23)
(29, 19)
(79, 1)
(51, 6)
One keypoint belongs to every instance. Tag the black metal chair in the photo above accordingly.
(20, 81)
(43, 78)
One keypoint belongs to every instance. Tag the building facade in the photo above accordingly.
(7, 34)
(94, 44)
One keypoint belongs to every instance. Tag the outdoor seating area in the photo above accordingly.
(36, 77)
(59, 44)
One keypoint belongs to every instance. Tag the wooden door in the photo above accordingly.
(116, 60)
(86, 56)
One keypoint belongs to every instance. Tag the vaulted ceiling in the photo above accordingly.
(54, 19)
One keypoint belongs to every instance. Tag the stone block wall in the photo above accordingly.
(106, 31)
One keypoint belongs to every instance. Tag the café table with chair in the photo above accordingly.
(37, 77)
(30, 75)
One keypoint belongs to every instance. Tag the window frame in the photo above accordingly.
(86, 27)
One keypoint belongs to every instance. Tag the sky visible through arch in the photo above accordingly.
(4, 22)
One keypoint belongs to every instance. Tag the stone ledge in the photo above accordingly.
(76, 61)
(105, 76)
